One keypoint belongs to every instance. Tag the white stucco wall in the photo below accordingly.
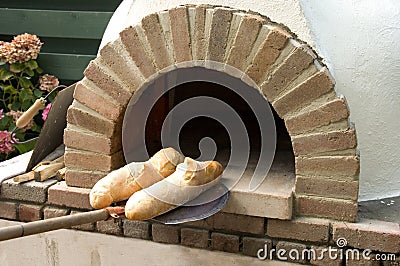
(359, 41)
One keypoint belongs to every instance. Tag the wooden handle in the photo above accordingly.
(27, 116)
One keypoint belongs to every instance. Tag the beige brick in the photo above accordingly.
(325, 114)
(166, 233)
(8, 210)
(290, 68)
(291, 252)
(82, 178)
(53, 212)
(132, 43)
(325, 187)
(180, 34)
(242, 223)
(340, 167)
(321, 257)
(31, 191)
(29, 212)
(93, 161)
(225, 242)
(362, 260)
(267, 54)
(84, 117)
(77, 138)
(219, 33)
(107, 83)
(304, 93)
(62, 195)
(369, 234)
(324, 142)
(155, 37)
(110, 227)
(114, 56)
(244, 40)
(302, 228)
(197, 238)
(252, 245)
(199, 33)
(337, 209)
(93, 99)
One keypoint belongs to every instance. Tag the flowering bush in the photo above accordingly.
(21, 83)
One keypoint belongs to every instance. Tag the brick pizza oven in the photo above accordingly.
(310, 196)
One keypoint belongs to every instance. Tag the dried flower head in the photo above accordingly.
(27, 47)
(48, 82)
(6, 142)
(16, 115)
(6, 51)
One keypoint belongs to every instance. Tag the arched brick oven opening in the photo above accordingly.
(287, 72)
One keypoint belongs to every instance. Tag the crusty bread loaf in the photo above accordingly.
(120, 184)
(190, 179)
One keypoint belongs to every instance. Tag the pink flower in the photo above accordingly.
(6, 141)
(46, 112)
(1, 114)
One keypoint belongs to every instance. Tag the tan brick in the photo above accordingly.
(267, 54)
(31, 191)
(325, 114)
(83, 178)
(132, 43)
(114, 56)
(84, 227)
(291, 67)
(225, 242)
(137, 229)
(180, 33)
(219, 33)
(325, 187)
(197, 238)
(304, 93)
(29, 212)
(110, 227)
(239, 223)
(77, 138)
(369, 234)
(53, 212)
(302, 228)
(107, 83)
(8, 210)
(393, 261)
(62, 195)
(321, 257)
(155, 37)
(252, 245)
(199, 33)
(166, 233)
(244, 40)
(324, 142)
(341, 167)
(84, 117)
(291, 252)
(337, 209)
(86, 160)
(93, 99)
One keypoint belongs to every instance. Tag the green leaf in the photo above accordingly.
(38, 93)
(26, 104)
(24, 82)
(29, 72)
(31, 64)
(15, 106)
(2, 62)
(5, 74)
(39, 70)
(26, 146)
(17, 67)
(10, 89)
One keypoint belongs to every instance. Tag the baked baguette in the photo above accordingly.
(120, 184)
(190, 179)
